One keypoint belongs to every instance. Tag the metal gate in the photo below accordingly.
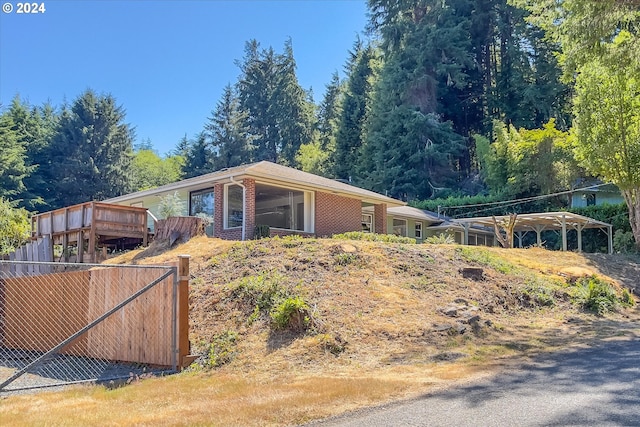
(66, 323)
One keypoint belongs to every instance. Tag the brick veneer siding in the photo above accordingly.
(249, 213)
(218, 210)
(336, 214)
(380, 218)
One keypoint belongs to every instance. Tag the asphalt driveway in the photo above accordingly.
(597, 386)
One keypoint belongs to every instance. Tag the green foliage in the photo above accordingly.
(198, 156)
(222, 349)
(261, 291)
(597, 295)
(13, 169)
(440, 239)
(345, 258)
(523, 162)
(91, 151)
(623, 242)
(150, 170)
(349, 138)
(279, 115)
(261, 231)
(170, 205)
(227, 129)
(538, 293)
(484, 257)
(374, 237)
(291, 313)
(15, 227)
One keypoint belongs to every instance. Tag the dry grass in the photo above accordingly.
(374, 336)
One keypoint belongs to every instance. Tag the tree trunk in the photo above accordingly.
(632, 199)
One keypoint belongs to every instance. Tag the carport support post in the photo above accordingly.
(610, 233)
(539, 230)
(465, 240)
(579, 228)
(183, 310)
(564, 233)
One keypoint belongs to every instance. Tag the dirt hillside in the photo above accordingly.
(362, 306)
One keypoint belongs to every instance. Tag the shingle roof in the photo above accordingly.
(271, 172)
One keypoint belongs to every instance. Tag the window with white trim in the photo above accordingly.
(367, 223)
(284, 208)
(233, 206)
(418, 230)
(400, 227)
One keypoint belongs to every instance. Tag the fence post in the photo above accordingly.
(183, 312)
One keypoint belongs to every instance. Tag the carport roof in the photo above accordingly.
(540, 221)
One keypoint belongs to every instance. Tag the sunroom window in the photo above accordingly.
(282, 208)
(233, 210)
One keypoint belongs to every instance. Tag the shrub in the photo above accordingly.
(441, 239)
(262, 232)
(222, 349)
(598, 296)
(373, 237)
(291, 313)
(15, 226)
(170, 205)
(623, 242)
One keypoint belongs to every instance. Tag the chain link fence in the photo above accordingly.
(70, 323)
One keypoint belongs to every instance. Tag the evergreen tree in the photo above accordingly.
(228, 133)
(90, 154)
(13, 169)
(279, 117)
(349, 138)
(34, 128)
(199, 158)
(317, 156)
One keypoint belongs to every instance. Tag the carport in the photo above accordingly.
(543, 221)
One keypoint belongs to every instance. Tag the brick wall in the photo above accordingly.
(336, 214)
(249, 213)
(380, 218)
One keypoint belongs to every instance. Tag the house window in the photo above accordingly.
(233, 206)
(202, 202)
(400, 227)
(367, 223)
(591, 199)
(283, 208)
(418, 230)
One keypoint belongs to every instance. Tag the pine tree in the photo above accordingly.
(13, 169)
(227, 132)
(34, 127)
(199, 158)
(355, 103)
(279, 117)
(317, 156)
(90, 154)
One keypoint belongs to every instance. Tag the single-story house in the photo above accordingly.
(597, 194)
(264, 193)
(421, 224)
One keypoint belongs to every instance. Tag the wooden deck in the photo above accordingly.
(93, 224)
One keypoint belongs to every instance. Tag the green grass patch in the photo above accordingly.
(484, 257)
(598, 296)
(373, 237)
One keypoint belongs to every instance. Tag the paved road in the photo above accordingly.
(588, 387)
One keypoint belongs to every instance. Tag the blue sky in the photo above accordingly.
(166, 62)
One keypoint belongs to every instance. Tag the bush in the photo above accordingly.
(222, 349)
(15, 226)
(623, 242)
(261, 232)
(373, 237)
(599, 296)
(291, 313)
(170, 205)
(441, 239)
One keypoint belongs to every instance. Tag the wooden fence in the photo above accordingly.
(39, 312)
(40, 250)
